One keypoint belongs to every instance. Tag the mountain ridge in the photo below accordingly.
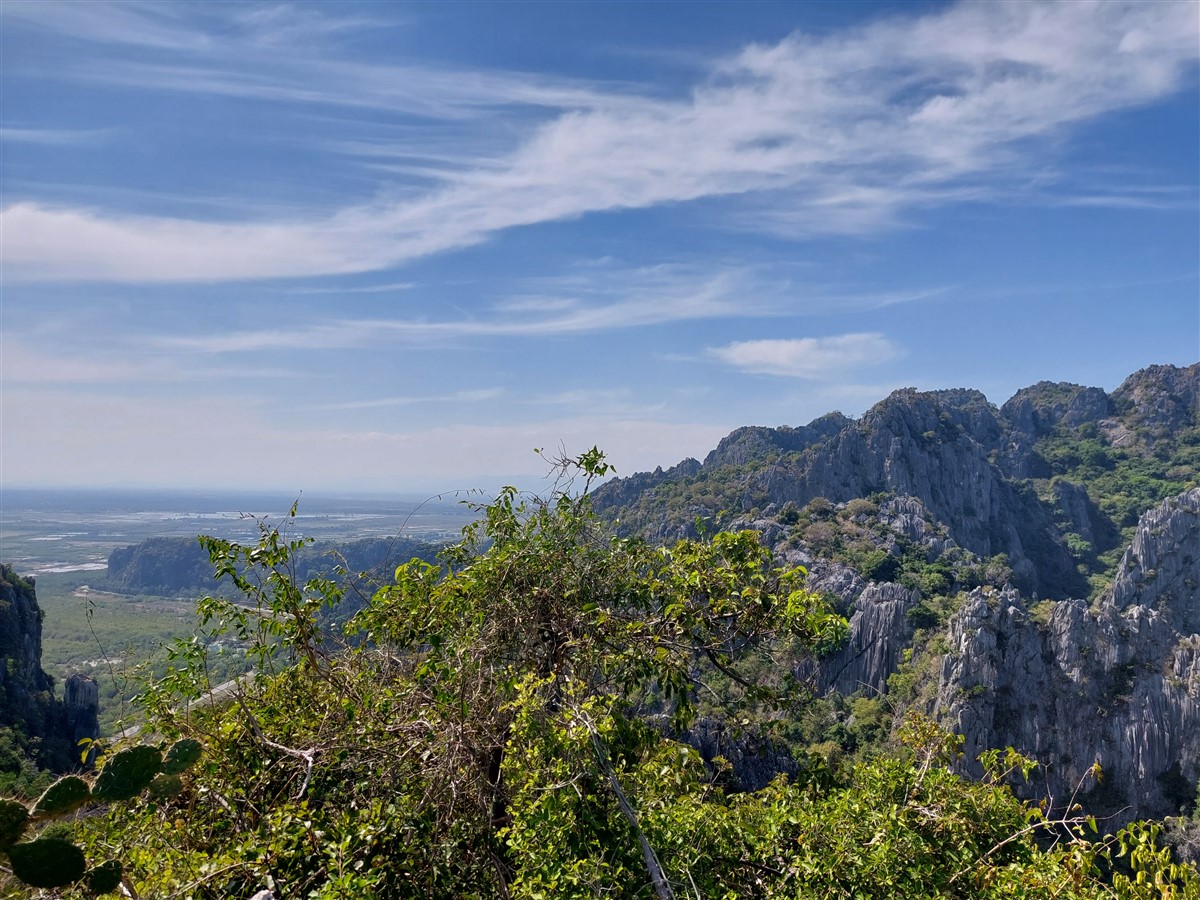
(963, 541)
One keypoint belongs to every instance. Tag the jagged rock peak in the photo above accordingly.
(1160, 399)
(1038, 409)
(1163, 556)
(955, 410)
(755, 442)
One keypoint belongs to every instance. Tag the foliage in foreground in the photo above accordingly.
(502, 726)
(52, 859)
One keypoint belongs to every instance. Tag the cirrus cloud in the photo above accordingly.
(816, 135)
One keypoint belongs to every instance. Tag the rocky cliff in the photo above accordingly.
(1117, 682)
(47, 729)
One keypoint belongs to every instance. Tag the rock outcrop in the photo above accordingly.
(160, 564)
(1070, 685)
(965, 460)
(753, 761)
(81, 699)
(47, 728)
(1153, 403)
(880, 632)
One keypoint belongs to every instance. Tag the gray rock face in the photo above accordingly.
(1070, 685)
(1035, 411)
(955, 452)
(81, 697)
(944, 448)
(623, 491)
(1086, 519)
(936, 447)
(21, 676)
(879, 633)
(752, 443)
(46, 728)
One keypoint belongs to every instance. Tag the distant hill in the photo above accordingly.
(171, 566)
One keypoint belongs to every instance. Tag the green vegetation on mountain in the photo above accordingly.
(1123, 482)
(174, 566)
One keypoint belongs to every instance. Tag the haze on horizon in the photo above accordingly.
(394, 247)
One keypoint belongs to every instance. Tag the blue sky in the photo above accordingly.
(394, 247)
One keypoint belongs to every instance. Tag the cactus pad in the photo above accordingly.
(64, 796)
(127, 773)
(164, 786)
(47, 863)
(13, 817)
(182, 756)
(104, 878)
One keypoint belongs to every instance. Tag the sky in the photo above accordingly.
(394, 247)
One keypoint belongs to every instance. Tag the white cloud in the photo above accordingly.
(844, 133)
(815, 358)
(159, 26)
(185, 28)
(390, 288)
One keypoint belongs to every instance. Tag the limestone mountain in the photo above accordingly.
(963, 541)
(1054, 479)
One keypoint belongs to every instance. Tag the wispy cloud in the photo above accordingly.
(187, 28)
(601, 300)
(472, 396)
(847, 133)
(438, 94)
(814, 358)
(57, 137)
(616, 300)
(389, 288)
